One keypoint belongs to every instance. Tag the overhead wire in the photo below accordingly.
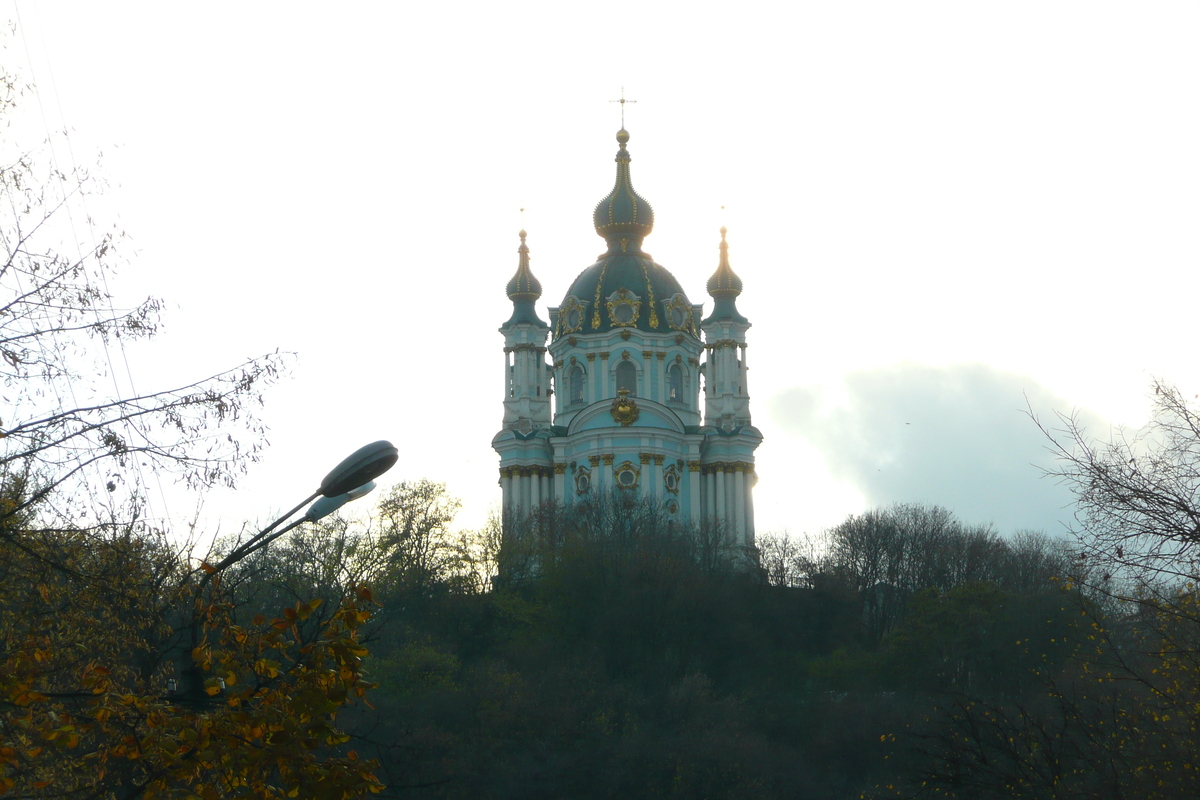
(130, 429)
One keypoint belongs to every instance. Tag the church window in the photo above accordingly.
(675, 383)
(627, 377)
(627, 476)
(576, 385)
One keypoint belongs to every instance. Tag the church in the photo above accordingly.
(629, 388)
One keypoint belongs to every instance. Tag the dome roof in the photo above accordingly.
(725, 286)
(524, 286)
(524, 290)
(627, 290)
(623, 217)
(724, 282)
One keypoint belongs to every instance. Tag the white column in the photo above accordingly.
(722, 506)
(710, 496)
(750, 504)
(739, 507)
(731, 524)
(695, 496)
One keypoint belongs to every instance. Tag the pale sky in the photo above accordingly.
(940, 211)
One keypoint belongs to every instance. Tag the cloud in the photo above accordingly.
(959, 437)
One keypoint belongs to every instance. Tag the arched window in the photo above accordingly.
(675, 383)
(627, 377)
(576, 395)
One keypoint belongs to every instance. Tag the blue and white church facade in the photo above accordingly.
(629, 387)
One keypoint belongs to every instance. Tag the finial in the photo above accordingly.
(622, 137)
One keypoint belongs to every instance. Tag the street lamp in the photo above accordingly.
(351, 479)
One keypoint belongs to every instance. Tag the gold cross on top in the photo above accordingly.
(622, 101)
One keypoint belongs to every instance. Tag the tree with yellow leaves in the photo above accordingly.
(102, 622)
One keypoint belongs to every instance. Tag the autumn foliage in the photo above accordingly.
(94, 631)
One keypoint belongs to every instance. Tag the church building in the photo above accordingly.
(636, 391)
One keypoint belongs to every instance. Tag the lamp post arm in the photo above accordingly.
(247, 550)
(257, 541)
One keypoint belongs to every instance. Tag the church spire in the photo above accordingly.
(624, 217)
(524, 289)
(724, 286)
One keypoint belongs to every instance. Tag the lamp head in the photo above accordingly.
(360, 467)
(324, 506)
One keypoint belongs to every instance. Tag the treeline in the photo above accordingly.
(620, 655)
(598, 652)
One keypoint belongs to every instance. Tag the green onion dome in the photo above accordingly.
(624, 217)
(724, 282)
(725, 286)
(523, 285)
(524, 290)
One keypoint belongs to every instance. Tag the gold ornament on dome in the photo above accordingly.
(679, 315)
(571, 316)
(623, 308)
(624, 410)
